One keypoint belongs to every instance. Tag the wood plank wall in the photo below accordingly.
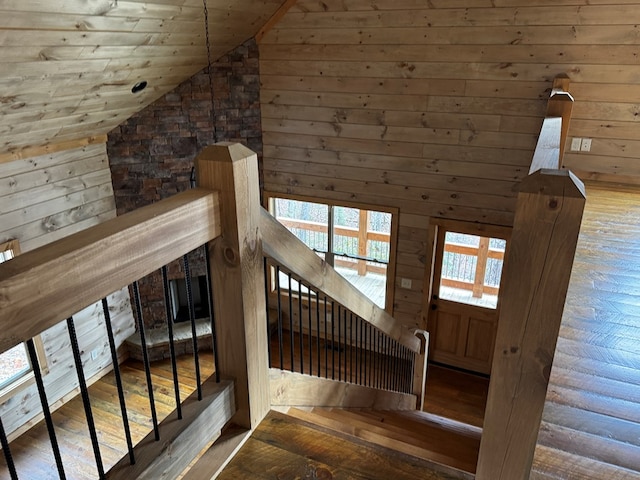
(42, 199)
(435, 107)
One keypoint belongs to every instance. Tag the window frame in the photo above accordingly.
(27, 379)
(269, 196)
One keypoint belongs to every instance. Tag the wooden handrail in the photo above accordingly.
(287, 250)
(42, 287)
(555, 128)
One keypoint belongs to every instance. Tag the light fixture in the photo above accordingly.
(138, 87)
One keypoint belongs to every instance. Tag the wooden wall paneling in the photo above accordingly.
(43, 198)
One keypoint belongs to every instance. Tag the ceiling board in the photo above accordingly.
(67, 66)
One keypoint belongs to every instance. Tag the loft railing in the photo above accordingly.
(40, 288)
(346, 332)
(536, 277)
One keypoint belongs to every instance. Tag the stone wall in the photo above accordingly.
(151, 154)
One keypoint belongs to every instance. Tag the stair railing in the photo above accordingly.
(322, 325)
(536, 277)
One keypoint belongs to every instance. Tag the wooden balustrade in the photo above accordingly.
(536, 277)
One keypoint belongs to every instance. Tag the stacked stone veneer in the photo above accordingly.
(151, 154)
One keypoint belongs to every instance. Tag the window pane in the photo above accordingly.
(464, 259)
(346, 222)
(307, 221)
(14, 363)
(373, 283)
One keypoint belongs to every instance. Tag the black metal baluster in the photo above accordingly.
(300, 325)
(361, 346)
(396, 365)
(266, 301)
(318, 328)
(339, 342)
(145, 359)
(333, 340)
(280, 328)
(326, 343)
(212, 316)
(357, 349)
(192, 320)
(291, 337)
(4, 442)
(116, 371)
(413, 367)
(350, 347)
(407, 366)
(84, 393)
(346, 342)
(386, 362)
(172, 347)
(310, 330)
(35, 365)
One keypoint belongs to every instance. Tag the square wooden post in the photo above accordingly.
(238, 277)
(541, 252)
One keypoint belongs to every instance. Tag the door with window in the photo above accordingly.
(464, 303)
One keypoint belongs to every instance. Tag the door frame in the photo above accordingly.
(431, 269)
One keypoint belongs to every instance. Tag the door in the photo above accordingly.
(464, 304)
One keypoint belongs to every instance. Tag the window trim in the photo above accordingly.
(268, 196)
(28, 378)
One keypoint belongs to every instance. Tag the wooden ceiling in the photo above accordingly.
(67, 66)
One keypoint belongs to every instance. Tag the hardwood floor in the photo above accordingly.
(591, 421)
(32, 451)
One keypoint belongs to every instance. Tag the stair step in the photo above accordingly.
(416, 436)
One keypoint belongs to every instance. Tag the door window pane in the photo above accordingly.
(471, 269)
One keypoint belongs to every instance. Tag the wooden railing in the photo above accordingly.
(536, 277)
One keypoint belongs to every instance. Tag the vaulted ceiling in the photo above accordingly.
(67, 67)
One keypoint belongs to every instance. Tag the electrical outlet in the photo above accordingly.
(405, 282)
(585, 146)
(94, 354)
(575, 144)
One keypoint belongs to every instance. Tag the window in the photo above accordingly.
(15, 367)
(355, 240)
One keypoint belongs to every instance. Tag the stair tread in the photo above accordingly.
(456, 451)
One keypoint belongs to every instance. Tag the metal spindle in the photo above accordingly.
(357, 350)
(318, 328)
(116, 371)
(339, 342)
(172, 347)
(361, 346)
(266, 297)
(350, 347)
(212, 316)
(333, 340)
(346, 343)
(145, 359)
(192, 320)
(310, 330)
(326, 346)
(7, 453)
(386, 363)
(84, 393)
(291, 338)
(300, 325)
(35, 365)
(280, 339)
(370, 349)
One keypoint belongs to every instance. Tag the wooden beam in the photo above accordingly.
(44, 286)
(289, 389)
(287, 250)
(537, 271)
(238, 276)
(561, 105)
(275, 18)
(51, 148)
(181, 440)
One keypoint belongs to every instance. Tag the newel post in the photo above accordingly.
(420, 371)
(536, 278)
(238, 277)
